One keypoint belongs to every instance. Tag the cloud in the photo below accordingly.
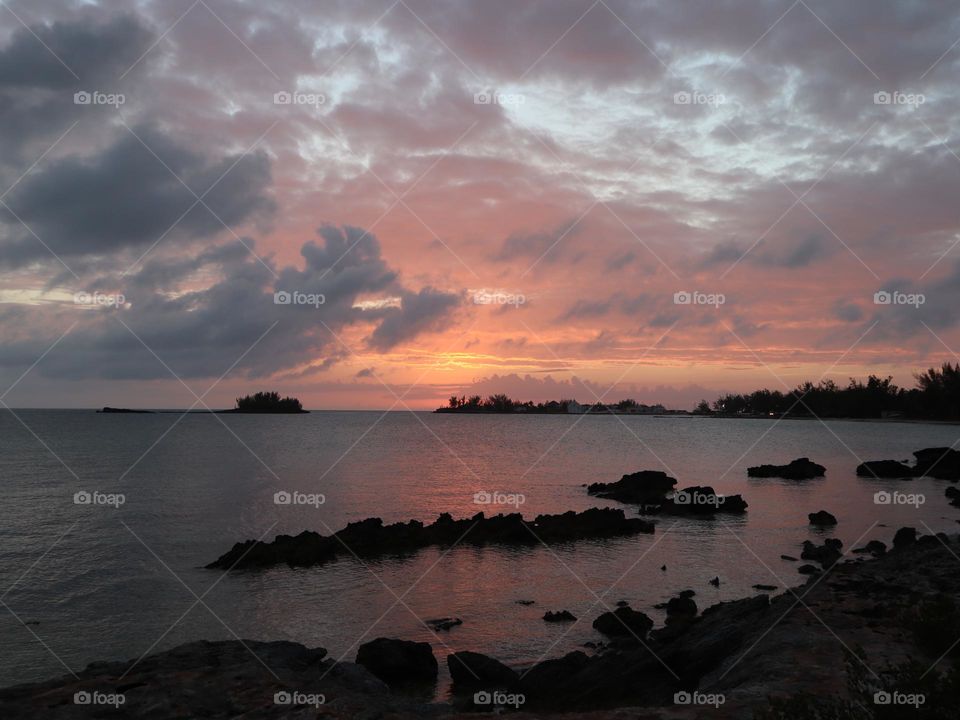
(419, 312)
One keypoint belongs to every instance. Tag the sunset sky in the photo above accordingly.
(496, 195)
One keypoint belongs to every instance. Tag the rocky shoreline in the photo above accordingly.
(840, 643)
(371, 538)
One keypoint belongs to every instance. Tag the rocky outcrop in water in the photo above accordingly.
(886, 469)
(472, 670)
(822, 518)
(371, 538)
(701, 500)
(826, 554)
(644, 487)
(940, 463)
(623, 621)
(799, 469)
(559, 616)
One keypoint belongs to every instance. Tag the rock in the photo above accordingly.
(623, 621)
(444, 623)
(681, 607)
(646, 486)
(473, 670)
(622, 603)
(715, 582)
(940, 463)
(702, 500)
(874, 547)
(799, 469)
(904, 537)
(791, 558)
(686, 593)
(663, 567)
(767, 588)
(544, 678)
(826, 554)
(559, 616)
(822, 518)
(526, 602)
(371, 538)
(808, 570)
(884, 469)
(953, 494)
(398, 661)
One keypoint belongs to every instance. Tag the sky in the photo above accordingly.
(379, 204)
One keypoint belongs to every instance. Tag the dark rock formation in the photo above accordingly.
(444, 623)
(765, 588)
(884, 469)
(904, 537)
(701, 500)
(791, 558)
(715, 582)
(940, 463)
(808, 570)
(874, 547)
(681, 608)
(953, 495)
(822, 518)
(398, 661)
(473, 670)
(559, 616)
(370, 538)
(623, 621)
(644, 487)
(799, 469)
(826, 554)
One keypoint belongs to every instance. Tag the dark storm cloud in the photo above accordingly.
(200, 333)
(125, 197)
(545, 246)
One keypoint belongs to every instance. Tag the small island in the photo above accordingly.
(267, 402)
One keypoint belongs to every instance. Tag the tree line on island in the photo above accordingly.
(501, 403)
(936, 396)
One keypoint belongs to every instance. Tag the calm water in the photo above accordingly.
(116, 584)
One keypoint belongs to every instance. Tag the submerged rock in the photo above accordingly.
(559, 616)
(370, 537)
(444, 623)
(398, 661)
(799, 469)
